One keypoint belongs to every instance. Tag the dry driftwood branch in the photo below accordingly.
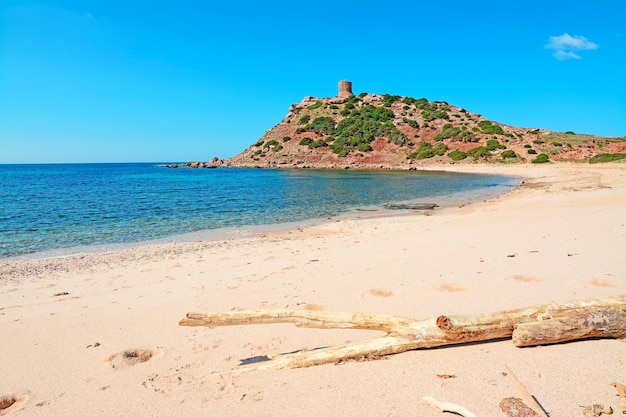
(449, 407)
(604, 323)
(534, 404)
(403, 334)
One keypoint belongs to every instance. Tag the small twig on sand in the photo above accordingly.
(533, 402)
(449, 407)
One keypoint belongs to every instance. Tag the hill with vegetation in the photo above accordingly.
(388, 131)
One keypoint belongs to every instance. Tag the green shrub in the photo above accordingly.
(318, 144)
(277, 148)
(286, 138)
(322, 126)
(334, 106)
(527, 146)
(440, 149)
(316, 105)
(538, 141)
(569, 132)
(306, 141)
(457, 155)
(557, 144)
(493, 144)
(489, 128)
(508, 154)
(257, 152)
(607, 157)
(423, 152)
(411, 122)
(542, 158)
(388, 100)
(259, 143)
(479, 152)
(305, 119)
(432, 111)
(532, 152)
(364, 147)
(270, 143)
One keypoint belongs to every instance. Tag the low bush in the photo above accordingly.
(489, 128)
(508, 154)
(411, 123)
(388, 99)
(318, 144)
(305, 119)
(314, 106)
(427, 150)
(493, 144)
(527, 146)
(538, 141)
(259, 143)
(457, 155)
(532, 152)
(542, 158)
(286, 138)
(607, 157)
(479, 152)
(306, 141)
(270, 143)
(322, 126)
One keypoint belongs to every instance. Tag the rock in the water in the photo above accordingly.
(416, 206)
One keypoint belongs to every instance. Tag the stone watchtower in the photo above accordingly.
(345, 89)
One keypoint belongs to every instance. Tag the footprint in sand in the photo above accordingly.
(11, 403)
(601, 283)
(523, 278)
(130, 357)
(451, 287)
(314, 307)
(376, 292)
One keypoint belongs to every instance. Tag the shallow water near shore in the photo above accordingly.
(67, 208)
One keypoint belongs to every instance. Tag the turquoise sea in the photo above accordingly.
(62, 207)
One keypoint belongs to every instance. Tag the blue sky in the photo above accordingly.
(161, 81)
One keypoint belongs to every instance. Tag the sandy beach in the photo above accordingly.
(98, 334)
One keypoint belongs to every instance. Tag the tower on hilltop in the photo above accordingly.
(345, 89)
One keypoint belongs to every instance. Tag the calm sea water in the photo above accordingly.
(60, 206)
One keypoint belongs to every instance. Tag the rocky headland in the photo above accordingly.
(397, 132)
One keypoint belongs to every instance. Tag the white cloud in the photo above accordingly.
(566, 46)
(563, 55)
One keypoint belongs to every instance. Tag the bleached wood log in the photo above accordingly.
(603, 324)
(504, 321)
(402, 334)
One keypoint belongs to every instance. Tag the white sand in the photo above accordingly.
(565, 228)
